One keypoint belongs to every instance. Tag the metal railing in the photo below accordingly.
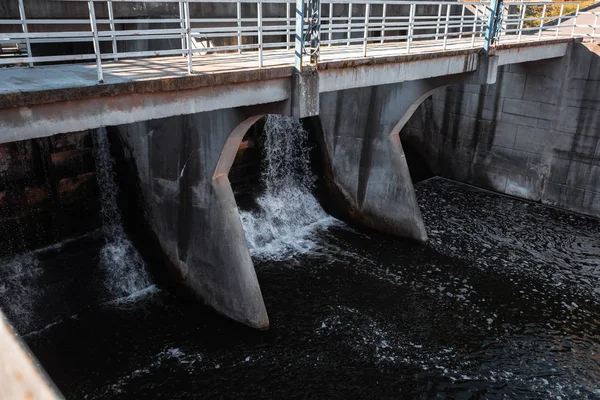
(252, 30)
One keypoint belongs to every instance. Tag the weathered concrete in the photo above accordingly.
(182, 134)
(366, 167)
(20, 378)
(55, 99)
(182, 163)
(50, 118)
(535, 134)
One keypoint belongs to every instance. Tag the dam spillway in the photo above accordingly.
(247, 203)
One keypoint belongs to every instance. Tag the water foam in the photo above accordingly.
(288, 213)
(19, 290)
(124, 268)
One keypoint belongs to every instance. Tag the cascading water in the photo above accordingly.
(288, 213)
(123, 266)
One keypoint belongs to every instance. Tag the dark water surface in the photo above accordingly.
(503, 302)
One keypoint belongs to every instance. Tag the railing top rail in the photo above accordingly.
(399, 2)
(427, 26)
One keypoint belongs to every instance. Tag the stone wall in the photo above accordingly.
(48, 190)
(535, 134)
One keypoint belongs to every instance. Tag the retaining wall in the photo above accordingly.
(535, 134)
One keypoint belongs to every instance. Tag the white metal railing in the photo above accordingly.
(252, 29)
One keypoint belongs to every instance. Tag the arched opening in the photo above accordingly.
(416, 161)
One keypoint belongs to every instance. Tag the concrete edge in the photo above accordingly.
(21, 377)
(404, 58)
(508, 46)
(163, 84)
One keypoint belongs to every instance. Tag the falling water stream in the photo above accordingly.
(502, 302)
(287, 213)
(40, 288)
(121, 262)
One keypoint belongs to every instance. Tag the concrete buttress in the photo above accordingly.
(182, 164)
(365, 164)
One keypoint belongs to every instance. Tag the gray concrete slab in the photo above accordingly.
(44, 78)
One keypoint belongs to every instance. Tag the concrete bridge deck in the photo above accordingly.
(20, 86)
(64, 98)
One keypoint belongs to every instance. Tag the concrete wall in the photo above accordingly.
(48, 190)
(534, 134)
(366, 172)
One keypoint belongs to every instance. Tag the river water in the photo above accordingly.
(502, 302)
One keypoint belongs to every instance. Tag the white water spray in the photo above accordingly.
(124, 267)
(20, 292)
(288, 213)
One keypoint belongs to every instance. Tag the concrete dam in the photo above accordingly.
(320, 199)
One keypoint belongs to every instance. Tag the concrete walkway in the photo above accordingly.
(44, 78)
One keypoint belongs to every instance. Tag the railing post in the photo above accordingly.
(462, 18)
(383, 15)
(542, 22)
(474, 25)
(523, 8)
(94, 28)
(366, 33)
(188, 35)
(496, 8)
(594, 27)
(330, 36)
(299, 44)
(287, 22)
(349, 23)
(182, 27)
(260, 34)
(575, 21)
(562, 9)
(314, 29)
(239, 25)
(25, 30)
(446, 27)
(111, 17)
(504, 25)
(411, 19)
(437, 22)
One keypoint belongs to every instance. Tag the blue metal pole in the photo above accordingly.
(494, 20)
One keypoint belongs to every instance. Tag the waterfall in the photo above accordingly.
(288, 214)
(124, 268)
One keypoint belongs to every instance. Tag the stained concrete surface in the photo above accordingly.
(181, 165)
(534, 134)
